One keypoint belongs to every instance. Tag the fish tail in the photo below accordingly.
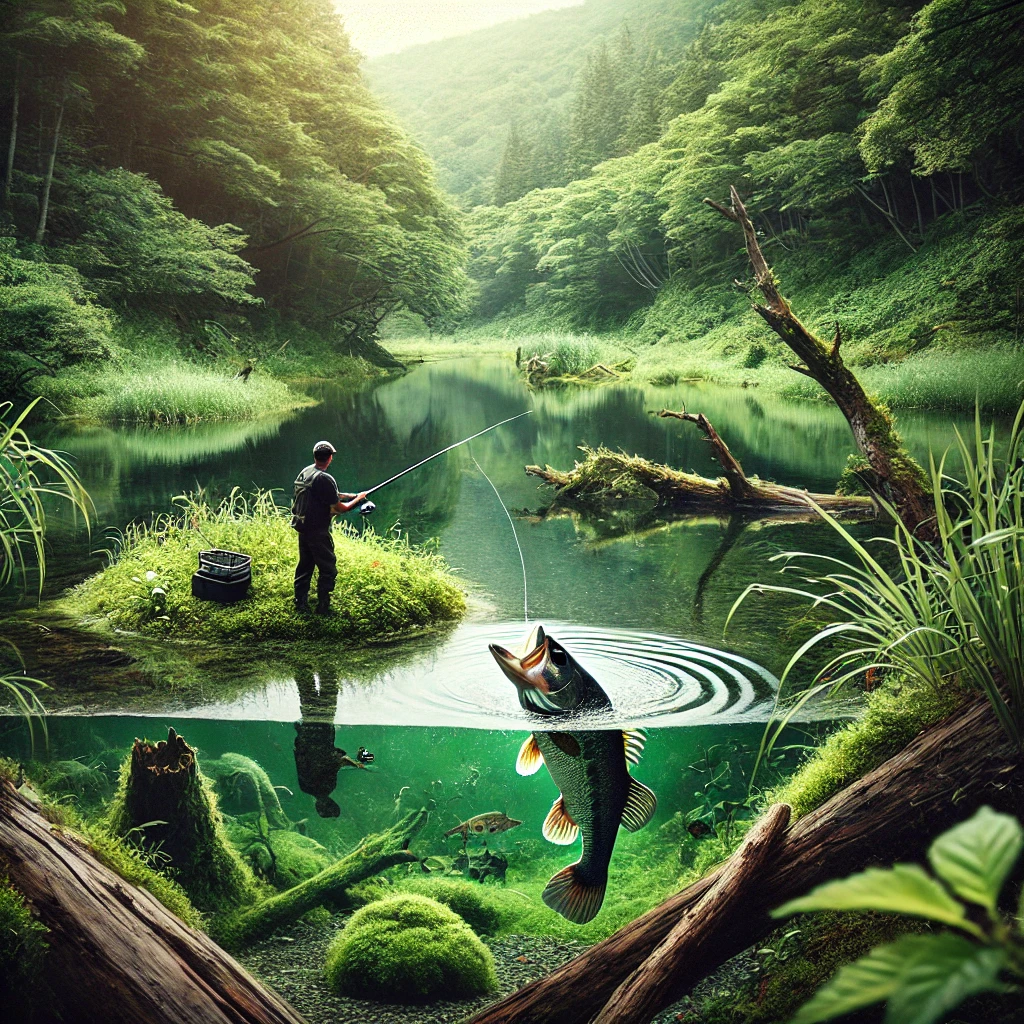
(573, 895)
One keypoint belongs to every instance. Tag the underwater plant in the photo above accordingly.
(22, 949)
(472, 903)
(924, 977)
(409, 949)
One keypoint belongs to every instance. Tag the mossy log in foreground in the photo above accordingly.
(889, 815)
(164, 802)
(605, 475)
(115, 955)
(374, 854)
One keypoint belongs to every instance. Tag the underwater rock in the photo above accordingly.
(242, 785)
(409, 949)
(471, 902)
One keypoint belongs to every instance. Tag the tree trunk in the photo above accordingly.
(115, 954)
(164, 802)
(652, 986)
(604, 474)
(873, 430)
(889, 815)
(12, 144)
(376, 853)
(44, 202)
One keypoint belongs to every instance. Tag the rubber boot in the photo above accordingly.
(302, 606)
(323, 606)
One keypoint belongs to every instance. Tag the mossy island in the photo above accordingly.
(386, 588)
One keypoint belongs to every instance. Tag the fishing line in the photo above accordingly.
(522, 561)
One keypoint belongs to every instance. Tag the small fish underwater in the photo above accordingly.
(490, 823)
(589, 767)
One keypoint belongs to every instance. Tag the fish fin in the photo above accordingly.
(569, 895)
(634, 740)
(559, 828)
(640, 806)
(530, 758)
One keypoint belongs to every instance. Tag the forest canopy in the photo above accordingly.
(203, 160)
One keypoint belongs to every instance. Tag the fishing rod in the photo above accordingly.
(368, 506)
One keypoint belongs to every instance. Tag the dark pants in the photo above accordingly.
(316, 551)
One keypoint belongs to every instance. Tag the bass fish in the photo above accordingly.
(590, 768)
(490, 823)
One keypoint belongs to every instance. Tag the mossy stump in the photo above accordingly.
(164, 800)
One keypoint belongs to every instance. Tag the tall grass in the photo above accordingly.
(385, 587)
(28, 474)
(166, 391)
(951, 611)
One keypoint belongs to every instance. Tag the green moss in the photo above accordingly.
(22, 952)
(243, 786)
(384, 588)
(895, 714)
(476, 905)
(192, 848)
(282, 857)
(409, 949)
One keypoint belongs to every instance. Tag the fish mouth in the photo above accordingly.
(526, 669)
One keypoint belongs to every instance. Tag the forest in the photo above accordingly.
(661, 365)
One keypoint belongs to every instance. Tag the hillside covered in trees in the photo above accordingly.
(878, 144)
(218, 167)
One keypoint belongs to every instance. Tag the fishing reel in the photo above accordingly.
(367, 508)
(364, 756)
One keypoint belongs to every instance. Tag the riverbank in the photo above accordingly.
(931, 379)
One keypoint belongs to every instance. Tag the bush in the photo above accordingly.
(409, 949)
(385, 587)
(473, 904)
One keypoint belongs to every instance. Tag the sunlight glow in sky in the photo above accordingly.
(386, 26)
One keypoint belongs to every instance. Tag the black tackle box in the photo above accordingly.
(223, 576)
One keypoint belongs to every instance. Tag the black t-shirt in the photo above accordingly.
(323, 493)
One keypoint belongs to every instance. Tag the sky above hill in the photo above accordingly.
(386, 26)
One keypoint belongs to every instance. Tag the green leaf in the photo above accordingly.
(870, 979)
(921, 976)
(903, 889)
(945, 971)
(976, 856)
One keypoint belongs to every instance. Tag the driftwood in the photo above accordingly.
(652, 986)
(894, 470)
(115, 953)
(605, 474)
(889, 815)
(374, 854)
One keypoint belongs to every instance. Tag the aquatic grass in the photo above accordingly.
(385, 586)
(946, 613)
(163, 391)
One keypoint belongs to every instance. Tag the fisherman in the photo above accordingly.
(315, 504)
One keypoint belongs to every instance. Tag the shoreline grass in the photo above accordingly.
(385, 587)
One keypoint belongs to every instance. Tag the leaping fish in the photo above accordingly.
(590, 768)
(490, 823)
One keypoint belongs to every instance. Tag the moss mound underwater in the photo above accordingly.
(409, 949)
(385, 587)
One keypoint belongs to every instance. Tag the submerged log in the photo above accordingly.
(894, 470)
(164, 803)
(374, 854)
(652, 986)
(115, 953)
(889, 815)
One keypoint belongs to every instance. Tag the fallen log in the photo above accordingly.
(652, 986)
(889, 815)
(605, 475)
(115, 953)
(374, 854)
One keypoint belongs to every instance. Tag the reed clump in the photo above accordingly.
(385, 587)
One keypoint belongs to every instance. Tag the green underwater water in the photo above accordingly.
(631, 593)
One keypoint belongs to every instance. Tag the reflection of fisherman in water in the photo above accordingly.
(317, 759)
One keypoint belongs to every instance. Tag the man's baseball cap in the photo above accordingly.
(324, 448)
